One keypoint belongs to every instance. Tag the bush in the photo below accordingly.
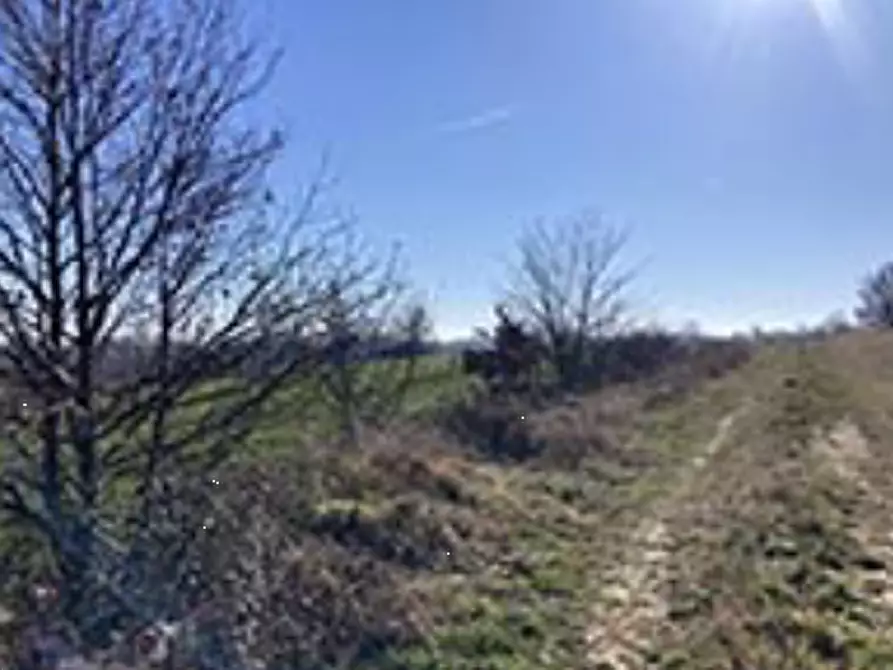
(496, 425)
(876, 298)
(644, 355)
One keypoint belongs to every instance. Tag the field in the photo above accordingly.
(740, 521)
(304, 408)
(741, 525)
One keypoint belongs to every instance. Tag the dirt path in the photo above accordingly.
(847, 451)
(632, 608)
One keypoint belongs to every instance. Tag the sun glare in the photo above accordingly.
(837, 20)
(829, 12)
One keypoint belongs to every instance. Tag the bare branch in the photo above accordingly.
(135, 222)
(568, 289)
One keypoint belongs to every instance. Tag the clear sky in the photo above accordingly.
(747, 143)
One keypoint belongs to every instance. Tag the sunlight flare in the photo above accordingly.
(838, 20)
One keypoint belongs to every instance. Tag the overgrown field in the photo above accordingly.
(739, 521)
(744, 524)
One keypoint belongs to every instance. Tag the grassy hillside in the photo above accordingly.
(741, 525)
(305, 407)
(736, 522)
(421, 550)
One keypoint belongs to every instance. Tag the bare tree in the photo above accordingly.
(568, 288)
(372, 336)
(133, 211)
(876, 298)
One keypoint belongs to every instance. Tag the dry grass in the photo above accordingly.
(423, 551)
(772, 565)
(734, 522)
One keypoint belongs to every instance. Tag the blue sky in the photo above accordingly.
(747, 143)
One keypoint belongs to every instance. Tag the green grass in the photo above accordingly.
(772, 586)
(531, 605)
(303, 410)
(426, 553)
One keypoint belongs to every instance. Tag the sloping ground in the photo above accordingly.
(633, 607)
(608, 463)
(419, 551)
(747, 525)
(774, 547)
(562, 518)
(422, 553)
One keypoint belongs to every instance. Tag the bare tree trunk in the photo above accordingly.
(51, 447)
